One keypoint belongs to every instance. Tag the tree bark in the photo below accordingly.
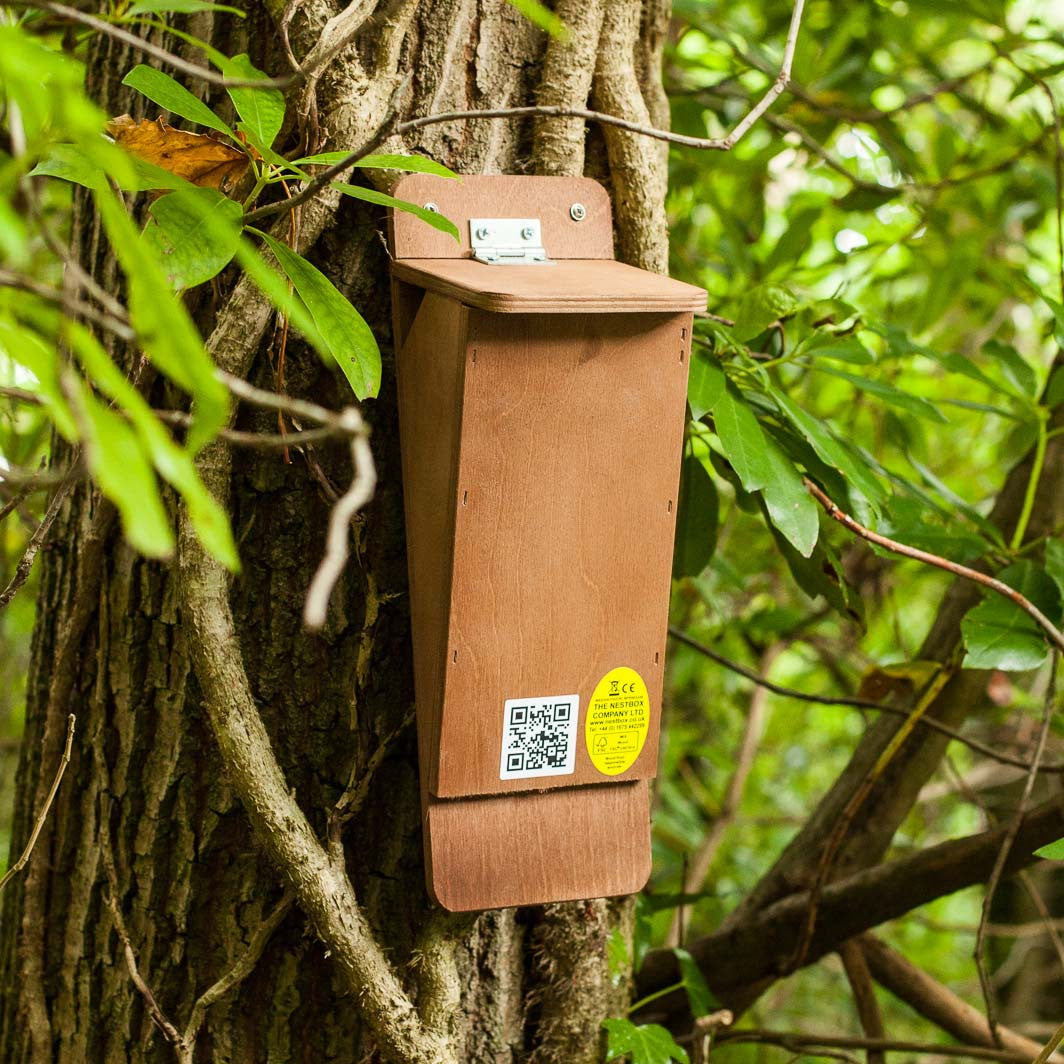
(148, 813)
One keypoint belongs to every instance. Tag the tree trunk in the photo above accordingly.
(146, 816)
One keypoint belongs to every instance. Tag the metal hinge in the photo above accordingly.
(508, 241)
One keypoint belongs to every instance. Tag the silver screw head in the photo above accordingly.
(578, 212)
(482, 232)
(527, 233)
(432, 207)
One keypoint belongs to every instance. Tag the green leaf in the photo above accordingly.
(999, 635)
(542, 17)
(162, 324)
(162, 89)
(183, 7)
(369, 195)
(1055, 562)
(848, 348)
(25, 347)
(646, 1043)
(831, 450)
(1053, 851)
(913, 404)
(349, 339)
(696, 519)
(701, 999)
(89, 165)
(705, 384)
(415, 164)
(261, 109)
(1014, 367)
(190, 245)
(742, 440)
(792, 509)
(118, 464)
(760, 307)
(173, 463)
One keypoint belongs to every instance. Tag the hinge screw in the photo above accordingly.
(483, 232)
(527, 233)
(432, 207)
(578, 212)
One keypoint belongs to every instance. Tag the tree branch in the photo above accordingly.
(1025, 604)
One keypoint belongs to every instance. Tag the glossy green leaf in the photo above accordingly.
(162, 324)
(349, 339)
(162, 89)
(792, 509)
(172, 462)
(369, 195)
(262, 109)
(832, 450)
(646, 1043)
(182, 7)
(187, 245)
(742, 440)
(696, 519)
(119, 465)
(841, 348)
(760, 306)
(418, 164)
(543, 17)
(999, 635)
(701, 999)
(28, 349)
(911, 404)
(1053, 851)
(705, 383)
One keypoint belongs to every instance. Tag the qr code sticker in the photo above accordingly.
(539, 737)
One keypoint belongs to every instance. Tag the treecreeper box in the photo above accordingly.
(542, 398)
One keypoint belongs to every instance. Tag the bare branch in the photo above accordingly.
(363, 484)
(1006, 847)
(170, 1032)
(244, 966)
(25, 564)
(1028, 607)
(856, 703)
(64, 760)
(864, 997)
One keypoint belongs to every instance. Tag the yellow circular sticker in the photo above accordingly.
(617, 722)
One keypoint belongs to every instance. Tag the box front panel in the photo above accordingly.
(565, 508)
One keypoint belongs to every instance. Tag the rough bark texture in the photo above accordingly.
(146, 811)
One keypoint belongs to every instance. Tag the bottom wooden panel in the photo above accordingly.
(538, 846)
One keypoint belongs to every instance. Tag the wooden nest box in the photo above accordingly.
(542, 392)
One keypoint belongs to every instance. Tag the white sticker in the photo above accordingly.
(539, 737)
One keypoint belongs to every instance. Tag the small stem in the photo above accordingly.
(1032, 483)
(654, 997)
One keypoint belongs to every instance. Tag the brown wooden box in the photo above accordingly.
(541, 416)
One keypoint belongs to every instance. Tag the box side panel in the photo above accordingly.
(572, 435)
(527, 849)
(430, 367)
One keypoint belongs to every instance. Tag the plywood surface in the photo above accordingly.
(504, 196)
(585, 842)
(430, 365)
(565, 509)
(566, 287)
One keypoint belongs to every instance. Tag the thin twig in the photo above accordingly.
(856, 703)
(1028, 607)
(68, 302)
(802, 1041)
(392, 127)
(170, 1032)
(864, 996)
(72, 14)
(241, 969)
(64, 760)
(363, 484)
(1006, 847)
(1050, 1046)
(25, 563)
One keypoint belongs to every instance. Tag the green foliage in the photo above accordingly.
(1052, 852)
(542, 16)
(646, 1043)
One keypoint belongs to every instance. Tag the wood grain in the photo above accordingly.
(561, 845)
(566, 488)
(503, 196)
(599, 286)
